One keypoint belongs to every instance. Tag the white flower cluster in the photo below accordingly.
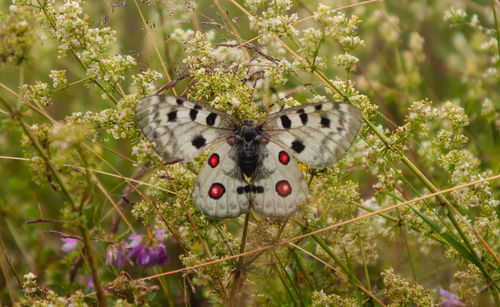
(58, 78)
(347, 61)
(274, 19)
(340, 27)
(38, 93)
(89, 44)
(455, 16)
(144, 81)
(198, 47)
(110, 69)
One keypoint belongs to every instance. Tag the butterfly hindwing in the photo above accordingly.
(278, 183)
(318, 134)
(180, 128)
(221, 190)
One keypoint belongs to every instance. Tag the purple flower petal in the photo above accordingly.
(161, 255)
(136, 251)
(116, 256)
(142, 255)
(135, 240)
(145, 256)
(109, 256)
(453, 303)
(453, 300)
(160, 234)
(448, 295)
(90, 283)
(69, 244)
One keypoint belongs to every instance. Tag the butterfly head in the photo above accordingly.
(248, 131)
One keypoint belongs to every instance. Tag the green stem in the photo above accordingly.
(302, 269)
(412, 265)
(492, 3)
(365, 266)
(101, 298)
(239, 266)
(337, 260)
(284, 277)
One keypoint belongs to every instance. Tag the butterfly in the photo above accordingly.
(250, 165)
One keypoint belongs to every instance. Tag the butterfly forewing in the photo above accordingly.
(180, 128)
(221, 190)
(318, 134)
(279, 185)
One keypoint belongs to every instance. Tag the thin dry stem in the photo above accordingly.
(148, 31)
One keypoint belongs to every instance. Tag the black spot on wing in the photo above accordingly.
(318, 107)
(179, 101)
(285, 121)
(198, 107)
(199, 141)
(247, 189)
(193, 113)
(211, 119)
(303, 118)
(298, 146)
(172, 116)
(258, 189)
(325, 122)
(162, 98)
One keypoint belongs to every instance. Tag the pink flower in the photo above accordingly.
(90, 283)
(116, 256)
(453, 300)
(148, 255)
(69, 244)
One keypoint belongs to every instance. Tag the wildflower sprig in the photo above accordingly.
(17, 35)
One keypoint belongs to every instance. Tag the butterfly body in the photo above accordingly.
(247, 141)
(250, 165)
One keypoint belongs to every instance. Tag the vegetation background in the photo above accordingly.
(91, 215)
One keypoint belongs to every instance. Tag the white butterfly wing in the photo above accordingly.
(221, 190)
(318, 134)
(180, 128)
(278, 184)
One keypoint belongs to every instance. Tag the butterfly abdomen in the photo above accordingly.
(248, 160)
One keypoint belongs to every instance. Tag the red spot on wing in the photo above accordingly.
(283, 188)
(284, 157)
(213, 160)
(216, 190)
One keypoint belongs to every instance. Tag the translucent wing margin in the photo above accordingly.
(318, 134)
(180, 128)
(221, 190)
